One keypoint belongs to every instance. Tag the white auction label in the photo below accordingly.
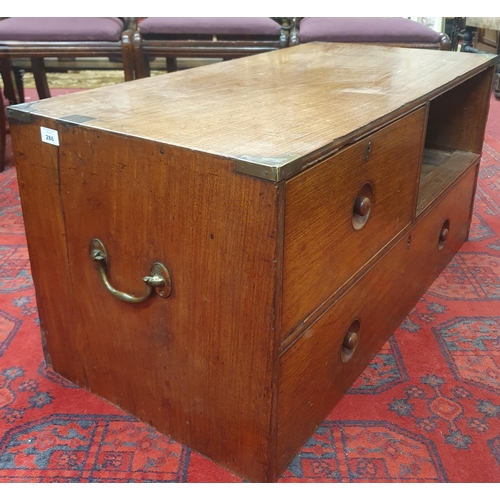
(49, 136)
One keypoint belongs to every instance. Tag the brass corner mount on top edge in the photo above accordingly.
(270, 169)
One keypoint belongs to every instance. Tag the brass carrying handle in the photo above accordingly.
(159, 278)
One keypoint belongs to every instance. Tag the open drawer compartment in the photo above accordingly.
(439, 170)
(454, 136)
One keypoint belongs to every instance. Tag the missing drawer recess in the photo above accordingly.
(350, 342)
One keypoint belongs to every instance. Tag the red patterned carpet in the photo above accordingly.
(427, 409)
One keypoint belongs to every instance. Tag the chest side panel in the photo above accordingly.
(38, 177)
(196, 365)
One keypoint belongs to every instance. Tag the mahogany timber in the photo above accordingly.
(439, 170)
(156, 170)
(457, 118)
(312, 378)
(261, 97)
(322, 248)
(38, 178)
(202, 359)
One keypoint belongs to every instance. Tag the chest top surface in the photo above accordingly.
(273, 108)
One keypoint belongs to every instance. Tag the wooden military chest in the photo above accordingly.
(287, 211)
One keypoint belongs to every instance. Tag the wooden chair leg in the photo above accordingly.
(137, 55)
(141, 62)
(171, 64)
(146, 66)
(11, 89)
(128, 55)
(3, 133)
(18, 78)
(40, 74)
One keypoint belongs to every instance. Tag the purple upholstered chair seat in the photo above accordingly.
(61, 29)
(219, 26)
(365, 29)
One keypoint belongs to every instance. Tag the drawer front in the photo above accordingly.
(313, 376)
(325, 243)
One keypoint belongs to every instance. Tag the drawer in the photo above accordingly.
(313, 376)
(325, 241)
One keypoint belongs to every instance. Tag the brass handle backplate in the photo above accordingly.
(158, 279)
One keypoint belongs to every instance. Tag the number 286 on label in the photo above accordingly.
(49, 136)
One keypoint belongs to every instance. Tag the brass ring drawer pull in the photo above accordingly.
(158, 280)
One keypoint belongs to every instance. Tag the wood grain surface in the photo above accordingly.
(457, 119)
(322, 248)
(242, 361)
(312, 377)
(272, 107)
(197, 365)
(43, 215)
(439, 170)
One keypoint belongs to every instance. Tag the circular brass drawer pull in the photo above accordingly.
(159, 278)
(350, 342)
